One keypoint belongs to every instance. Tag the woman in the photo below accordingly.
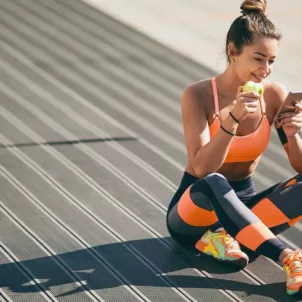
(226, 131)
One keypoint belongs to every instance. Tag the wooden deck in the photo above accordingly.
(91, 152)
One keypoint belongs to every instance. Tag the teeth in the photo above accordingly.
(260, 78)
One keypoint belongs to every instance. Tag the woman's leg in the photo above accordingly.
(212, 198)
(176, 228)
(284, 226)
(244, 224)
(279, 207)
(192, 218)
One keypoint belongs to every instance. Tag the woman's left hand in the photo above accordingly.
(291, 121)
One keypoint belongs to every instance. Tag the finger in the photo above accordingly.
(297, 116)
(290, 120)
(253, 103)
(249, 100)
(298, 107)
(286, 120)
(297, 119)
(298, 125)
(288, 114)
(239, 91)
(251, 110)
(287, 124)
(250, 94)
(252, 106)
(282, 116)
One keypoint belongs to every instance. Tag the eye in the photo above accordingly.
(271, 62)
(258, 59)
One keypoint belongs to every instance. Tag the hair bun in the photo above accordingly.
(253, 6)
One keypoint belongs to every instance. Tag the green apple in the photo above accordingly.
(252, 86)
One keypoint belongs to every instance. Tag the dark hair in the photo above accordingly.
(253, 23)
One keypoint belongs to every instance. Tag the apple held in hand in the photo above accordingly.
(252, 86)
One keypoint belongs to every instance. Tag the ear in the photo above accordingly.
(231, 51)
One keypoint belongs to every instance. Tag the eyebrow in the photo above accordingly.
(263, 55)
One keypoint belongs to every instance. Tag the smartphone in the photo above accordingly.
(291, 100)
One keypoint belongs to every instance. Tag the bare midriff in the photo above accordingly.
(232, 171)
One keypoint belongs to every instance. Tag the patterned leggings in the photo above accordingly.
(252, 219)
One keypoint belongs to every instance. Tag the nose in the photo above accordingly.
(266, 68)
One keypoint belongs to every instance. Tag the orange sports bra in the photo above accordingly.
(243, 148)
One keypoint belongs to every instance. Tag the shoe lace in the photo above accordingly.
(294, 262)
(231, 242)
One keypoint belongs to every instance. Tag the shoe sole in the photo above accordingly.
(241, 263)
(294, 292)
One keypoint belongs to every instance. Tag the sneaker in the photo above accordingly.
(292, 265)
(222, 247)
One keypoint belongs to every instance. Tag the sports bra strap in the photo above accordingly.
(262, 105)
(215, 93)
(216, 104)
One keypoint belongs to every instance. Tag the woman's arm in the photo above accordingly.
(289, 127)
(295, 152)
(207, 156)
(293, 147)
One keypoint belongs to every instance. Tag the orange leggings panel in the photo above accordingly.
(192, 214)
(253, 235)
(292, 182)
(269, 214)
(292, 222)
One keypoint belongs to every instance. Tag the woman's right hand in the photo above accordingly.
(246, 103)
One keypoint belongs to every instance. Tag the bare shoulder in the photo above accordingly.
(196, 95)
(194, 117)
(274, 95)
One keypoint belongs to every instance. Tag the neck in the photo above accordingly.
(228, 83)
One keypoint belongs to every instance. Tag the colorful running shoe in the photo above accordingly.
(222, 247)
(292, 265)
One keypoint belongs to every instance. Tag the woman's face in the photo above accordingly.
(256, 61)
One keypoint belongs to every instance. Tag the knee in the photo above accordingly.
(214, 176)
(200, 195)
(204, 184)
(216, 180)
(218, 184)
(204, 190)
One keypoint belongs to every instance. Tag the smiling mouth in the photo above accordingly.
(259, 78)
